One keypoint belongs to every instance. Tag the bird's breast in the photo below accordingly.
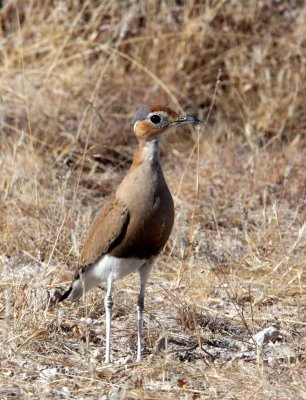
(151, 212)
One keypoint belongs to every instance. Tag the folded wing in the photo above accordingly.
(105, 233)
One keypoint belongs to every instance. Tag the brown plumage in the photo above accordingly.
(106, 231)
(135, 224)
(132, 224)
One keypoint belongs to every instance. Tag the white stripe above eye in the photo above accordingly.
(160, 113)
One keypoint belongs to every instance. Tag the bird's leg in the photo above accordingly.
(108, 304)
(140, 307)
(144, 274)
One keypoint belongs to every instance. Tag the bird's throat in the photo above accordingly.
(147, 153)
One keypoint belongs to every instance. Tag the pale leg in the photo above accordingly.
(144, 274)
(108, 304)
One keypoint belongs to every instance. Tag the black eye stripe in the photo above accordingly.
(155, 119)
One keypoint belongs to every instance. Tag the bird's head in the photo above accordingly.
(153, 120)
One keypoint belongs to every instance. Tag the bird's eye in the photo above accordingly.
(155, 119)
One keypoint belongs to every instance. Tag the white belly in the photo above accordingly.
(116, 267)
(101, 270)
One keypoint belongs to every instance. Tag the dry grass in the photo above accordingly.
(71, 76)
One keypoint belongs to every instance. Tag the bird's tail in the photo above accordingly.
(74, 292)
(76, 289)
(65, 295)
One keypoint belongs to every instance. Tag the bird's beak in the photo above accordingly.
(187, 119)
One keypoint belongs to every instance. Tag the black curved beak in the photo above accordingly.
(187, 119)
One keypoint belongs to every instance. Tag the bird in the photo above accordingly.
(134, 225)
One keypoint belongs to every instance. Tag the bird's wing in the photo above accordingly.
(106, 232)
